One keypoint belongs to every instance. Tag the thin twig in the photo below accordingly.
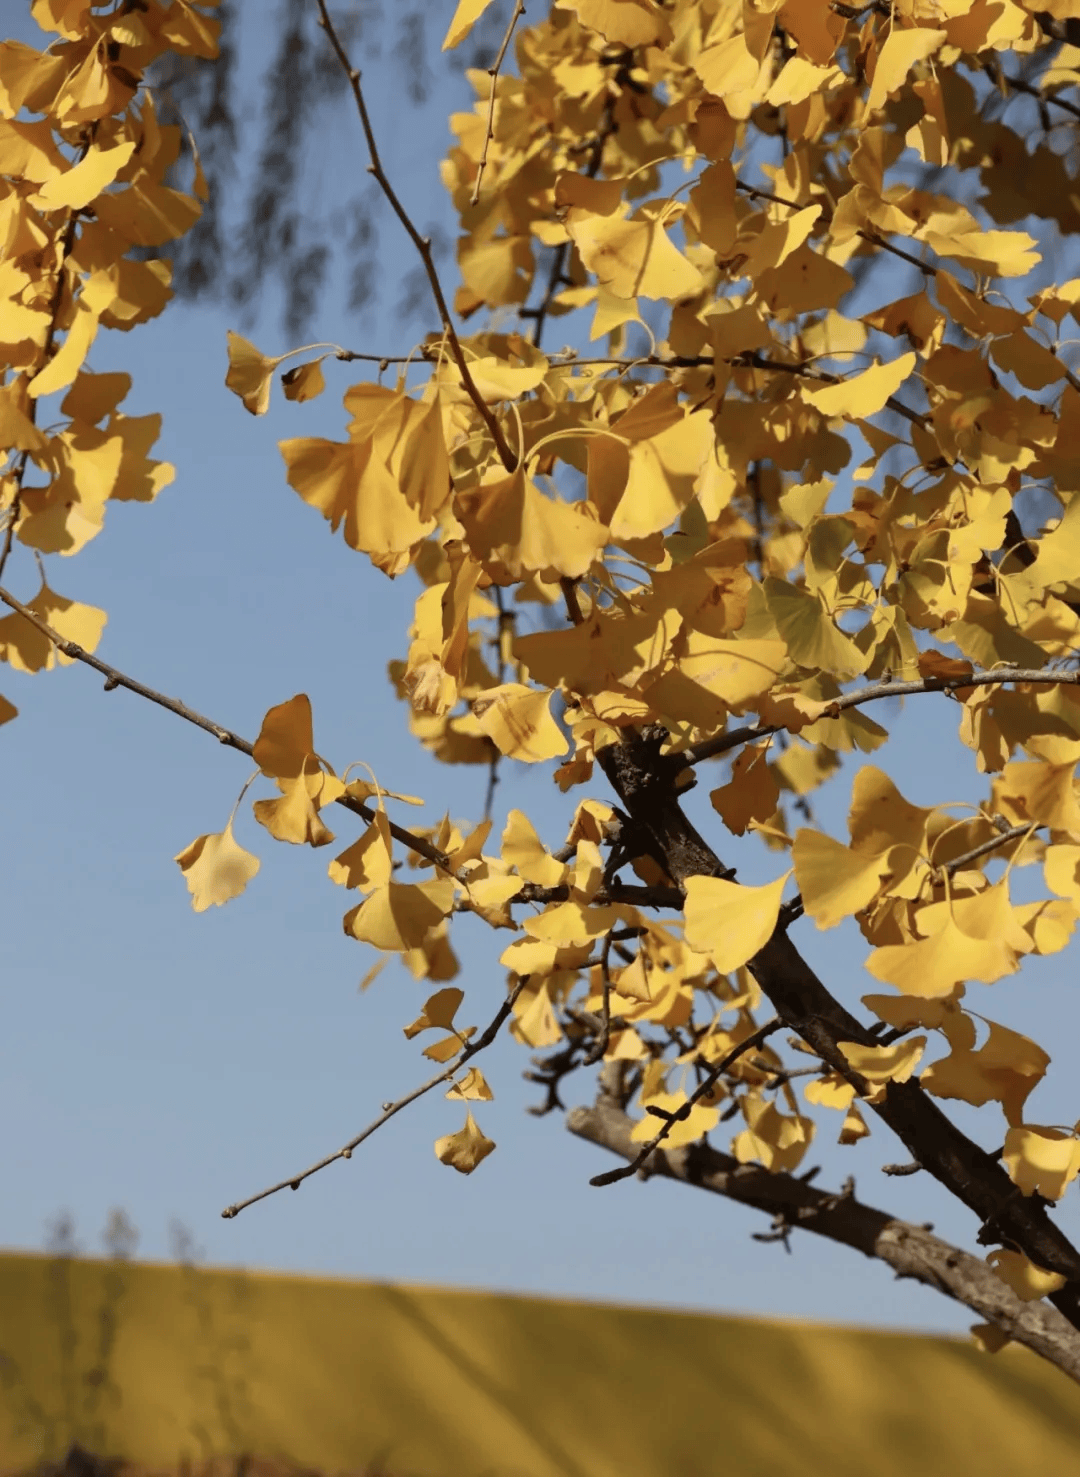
(388, 1112)
(749, 1044)
(422, 244)
(721, 742)
(596, 1051)
(493, 74)
(987, 846)
(115, 678)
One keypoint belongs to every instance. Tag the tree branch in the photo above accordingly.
(473, 1048)
(115, 678)
(911, 1251)
(493, 74)
(646, 788)
(721, 742)
(422, 244)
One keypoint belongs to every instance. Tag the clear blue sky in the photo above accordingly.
(171, 1063)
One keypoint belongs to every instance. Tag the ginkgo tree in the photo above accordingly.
(707, 561)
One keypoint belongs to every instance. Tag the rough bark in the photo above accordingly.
(911, 1251)
(647, 783)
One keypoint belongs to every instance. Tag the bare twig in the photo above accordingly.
(346, 1151)
(996, 677)
(493, 74)
(705, 1085)
(1012, 834)
(115, 678)
(422, 244)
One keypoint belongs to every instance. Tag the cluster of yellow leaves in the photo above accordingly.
(807, 496)
(83, 160)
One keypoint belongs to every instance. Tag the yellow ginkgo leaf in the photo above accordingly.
(84, 181)
(472, 1087)
(294, 815)
(369, 861)
(932, 967)
(629, 23)
(285, 742)
(663, 476)
(730, 922)
(249, 374)
(1028, 1281)
(881, 1065)
(1042, 1160)
(30, 650)
(854, 1126)
(400, 915)
(512, 521)
(834, 881)
(466, 15)
(863, 394)
(68, 359)
(903, 47)
(523, 849)
(439, 1011)
(751, 794)
(771, 1137)
(303, 381)
(465, 1149)
(216, 868)
(517, 719)
(702, 1119)
(632, 258)
(497, 380)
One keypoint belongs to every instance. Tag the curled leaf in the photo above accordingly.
(465, 1149)
(216, 868)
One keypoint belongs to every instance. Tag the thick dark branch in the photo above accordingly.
(422, 244)
(470, 1050)
(911, 1251)
(646, 785)
(1046, 676)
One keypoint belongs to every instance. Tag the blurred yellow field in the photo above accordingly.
(166, 1364)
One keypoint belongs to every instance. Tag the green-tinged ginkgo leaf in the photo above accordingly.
(249, 374)
(812, 637)
(216, 868)
(730, 922)
(465, 1149)
(517, 719)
